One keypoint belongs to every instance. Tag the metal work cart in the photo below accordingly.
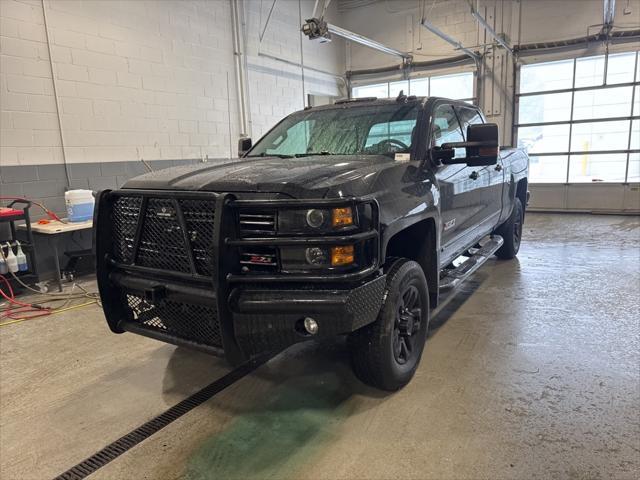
(20, 213)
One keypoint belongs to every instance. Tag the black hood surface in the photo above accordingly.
(298, 177)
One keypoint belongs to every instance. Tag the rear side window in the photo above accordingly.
(468, 116)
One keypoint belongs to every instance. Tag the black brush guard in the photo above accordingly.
(168, 268)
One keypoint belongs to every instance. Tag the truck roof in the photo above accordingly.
(369, 101)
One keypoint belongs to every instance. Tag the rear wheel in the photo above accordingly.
(386, 353)
(511, 232)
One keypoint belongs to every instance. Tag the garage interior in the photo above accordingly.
(531, 371)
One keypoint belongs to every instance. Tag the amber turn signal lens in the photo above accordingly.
(341, 255)
(342, 217)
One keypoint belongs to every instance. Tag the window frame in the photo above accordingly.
(604, 86)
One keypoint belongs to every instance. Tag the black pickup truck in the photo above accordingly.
(350, 218)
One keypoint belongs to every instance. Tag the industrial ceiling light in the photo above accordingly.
(318, 29)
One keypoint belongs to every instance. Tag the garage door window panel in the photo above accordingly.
(634, 141)
(589, 71)
(602, 167)
(600, 136)
(396, 87)
(541, 77)
(548, 168)
(609, 103)
(419, 87)
(379, 90)
(544, 138)
(553, 107)
(458, 86)
(620, 67)
(633, 175)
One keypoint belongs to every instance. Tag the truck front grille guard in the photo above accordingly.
(199, 235)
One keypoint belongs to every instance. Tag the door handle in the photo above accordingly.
(474, 175)
(498, 168)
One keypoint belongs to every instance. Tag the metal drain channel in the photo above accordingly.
(131, 439)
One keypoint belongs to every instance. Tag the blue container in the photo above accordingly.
(79, 205)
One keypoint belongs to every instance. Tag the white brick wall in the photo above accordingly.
(144, 79)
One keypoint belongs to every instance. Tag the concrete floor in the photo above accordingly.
(532, 372)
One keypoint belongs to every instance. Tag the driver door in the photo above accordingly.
(460, 207)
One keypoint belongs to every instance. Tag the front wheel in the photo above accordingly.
(386, 353)
(511, 232)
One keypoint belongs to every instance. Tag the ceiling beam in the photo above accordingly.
(608, 13)
(452, 41)
(496, 36)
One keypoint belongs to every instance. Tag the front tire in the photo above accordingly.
(386, 353)
(511, 232)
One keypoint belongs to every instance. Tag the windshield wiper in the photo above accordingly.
(264, 154)
(309, 154)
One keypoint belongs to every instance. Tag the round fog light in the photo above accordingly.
(310, 325)
(315, 218)
(316, 256)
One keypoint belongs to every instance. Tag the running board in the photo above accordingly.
(455, 277)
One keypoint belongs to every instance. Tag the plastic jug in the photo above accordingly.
(12, 261)
(79, 205)
(22, 259)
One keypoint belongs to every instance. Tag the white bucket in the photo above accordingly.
(79, 205)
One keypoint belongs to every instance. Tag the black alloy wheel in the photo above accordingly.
(407, 325)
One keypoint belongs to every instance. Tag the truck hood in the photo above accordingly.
(298, 177)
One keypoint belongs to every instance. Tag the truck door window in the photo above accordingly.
(446, 129)
(468, 116)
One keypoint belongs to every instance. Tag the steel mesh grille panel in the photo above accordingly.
(199, 217)
(124, 218)
(162, 242)
(197, 323)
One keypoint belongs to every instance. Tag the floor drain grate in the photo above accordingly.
(131, 439)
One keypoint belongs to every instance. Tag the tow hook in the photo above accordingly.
(155, 295)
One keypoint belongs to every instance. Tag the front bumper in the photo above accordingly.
(269, 318)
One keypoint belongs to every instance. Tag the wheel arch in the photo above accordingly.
(418, 241)
(521, 193)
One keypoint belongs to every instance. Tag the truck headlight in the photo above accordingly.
(316, 220)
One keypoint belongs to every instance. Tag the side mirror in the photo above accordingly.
(244, 145)
(481, 146)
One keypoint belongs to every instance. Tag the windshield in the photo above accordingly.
(356, 130)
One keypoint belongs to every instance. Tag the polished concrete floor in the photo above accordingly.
(532, 372)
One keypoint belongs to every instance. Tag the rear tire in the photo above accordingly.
(386, 353)
(511, 232)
